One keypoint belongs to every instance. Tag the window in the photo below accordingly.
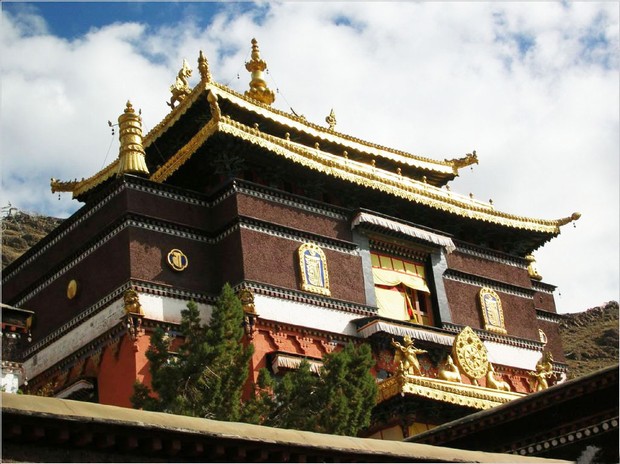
(401, 289)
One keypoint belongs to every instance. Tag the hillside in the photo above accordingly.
(21, 230)
(590, 338)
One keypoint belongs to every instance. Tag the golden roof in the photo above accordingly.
(337, 165)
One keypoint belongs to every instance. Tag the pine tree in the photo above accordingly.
(205, 378)
(339, 401)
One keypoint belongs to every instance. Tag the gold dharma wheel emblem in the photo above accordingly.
(470, 354)
(177, 259)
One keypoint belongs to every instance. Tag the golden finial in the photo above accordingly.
(258, 87)
(399, 172)
(424, 179)
(131, 156)
(203, 68)
(331, 119)
(316, 145)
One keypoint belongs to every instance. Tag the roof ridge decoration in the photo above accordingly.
(258, 87)
(180, 89)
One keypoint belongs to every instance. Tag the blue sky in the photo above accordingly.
(71, 20)
(531, 86)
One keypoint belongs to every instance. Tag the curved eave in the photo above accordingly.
(80, 187)
(393, 184)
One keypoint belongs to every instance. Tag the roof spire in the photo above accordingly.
(258, 87)
(131, 155)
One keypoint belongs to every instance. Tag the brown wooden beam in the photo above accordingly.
(83, 439)
(172, 447)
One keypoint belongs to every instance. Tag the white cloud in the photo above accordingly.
(533, 87)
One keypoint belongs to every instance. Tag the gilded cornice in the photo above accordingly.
(448, 167)
(180, 157)
(174, 115)
(391, 183)
(441, 390)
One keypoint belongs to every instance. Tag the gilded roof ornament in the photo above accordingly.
(331, 119)
(203, 68)
(467, 160)
(470, 354)
(131, 156)
(258, 87)
(572, 218)
(532, 270)
(180, 89)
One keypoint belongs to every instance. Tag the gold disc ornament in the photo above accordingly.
(72, 288)
(470, 354)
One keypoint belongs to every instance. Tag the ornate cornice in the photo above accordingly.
(65, 227)
(394, 184)
(180, 157)
(555, 439)
(308, 298)
(548, 316)
(288, 199)
(297, 235)
(81, 317)
(479, 281)
(495, 337)
(399, 250)
(543, 287)
(491, 255)
(467, 395)
(446, 167)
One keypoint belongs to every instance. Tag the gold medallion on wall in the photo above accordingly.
(72, 288)
(492, 312)
(470, 355)
(177, 260)
(313, 268)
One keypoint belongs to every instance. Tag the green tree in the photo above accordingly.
(338, 401)
(205, 378)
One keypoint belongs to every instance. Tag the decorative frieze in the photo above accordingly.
(490, 255)
(279, 197)
(288, 233)
(459, 276)
(498, 338)
(547, 316)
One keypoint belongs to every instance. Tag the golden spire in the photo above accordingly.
(131, 153)
(203, 67)
(258, 87)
